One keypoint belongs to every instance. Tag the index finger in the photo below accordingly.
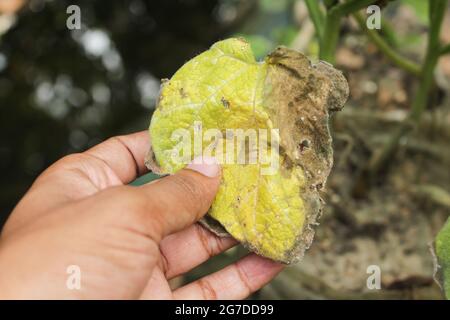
(124, 155)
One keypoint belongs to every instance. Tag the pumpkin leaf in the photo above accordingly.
(281, 108)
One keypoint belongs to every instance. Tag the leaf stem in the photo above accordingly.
(384, 47)
(317, 16)
(445, 49)
(330, 38)
(332, 26)
(381, 158)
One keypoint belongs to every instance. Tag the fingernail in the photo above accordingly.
(205, 165)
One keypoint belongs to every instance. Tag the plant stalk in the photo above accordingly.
(384, 47)
(445, 49)
(332, 26)
(380, 159)
(317, 16)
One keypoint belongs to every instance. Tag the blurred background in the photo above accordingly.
(62, 91)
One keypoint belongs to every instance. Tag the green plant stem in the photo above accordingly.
(332, 26)
(383, 46)
(330, 38)
(431, 59)
(330, 3)
(317, 16)
(445, 49)
(351, 6)
(389, 33)
(381, 158)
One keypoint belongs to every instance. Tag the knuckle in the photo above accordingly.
(116, 140)
(244, 279)
(70, 158)
(211, 245)
(68, 161)
(208, 291)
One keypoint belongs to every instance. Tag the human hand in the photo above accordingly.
(127, 241)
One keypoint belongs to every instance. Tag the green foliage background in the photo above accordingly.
(63, 91)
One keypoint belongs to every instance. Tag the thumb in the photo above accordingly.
(177, 201)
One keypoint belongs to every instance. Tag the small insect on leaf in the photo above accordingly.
(267, 124)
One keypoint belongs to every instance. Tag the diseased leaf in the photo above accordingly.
(226, 88)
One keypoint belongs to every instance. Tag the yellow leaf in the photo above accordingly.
(284, 100)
